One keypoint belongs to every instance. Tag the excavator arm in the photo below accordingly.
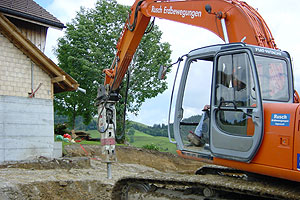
(231, 20)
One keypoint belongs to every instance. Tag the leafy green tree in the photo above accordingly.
(131, 131)
(88, 47)
(131, 139)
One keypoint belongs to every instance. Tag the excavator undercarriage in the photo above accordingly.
(221, 184)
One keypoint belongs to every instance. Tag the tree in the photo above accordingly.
(88, 47)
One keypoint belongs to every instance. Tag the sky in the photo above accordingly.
(280, 17)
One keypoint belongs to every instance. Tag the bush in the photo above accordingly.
(151, 147)
(131, 139)
(60, 129)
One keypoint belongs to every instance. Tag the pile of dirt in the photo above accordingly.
(161, 161)
(43, 163)
(80, 174)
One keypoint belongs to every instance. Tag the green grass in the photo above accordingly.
(89, 142)
(140, 140)
(94, 133)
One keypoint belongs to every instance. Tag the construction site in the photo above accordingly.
(244, 145)
(77, 176)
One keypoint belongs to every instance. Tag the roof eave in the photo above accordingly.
(38, 57)
(32, 18)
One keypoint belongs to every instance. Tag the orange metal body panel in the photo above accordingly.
(289, 174)
(277, 155)
(238, 26)
(127, 46)
(296, 142)
(260, 169)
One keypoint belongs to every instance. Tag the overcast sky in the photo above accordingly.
(281, 17)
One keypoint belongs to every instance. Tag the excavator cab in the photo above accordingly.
(236, 80)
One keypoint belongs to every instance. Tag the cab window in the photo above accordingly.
(273, 78)
(234, 83)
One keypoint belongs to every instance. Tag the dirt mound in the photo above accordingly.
(76, 176)
(161, 161)
(43, 163)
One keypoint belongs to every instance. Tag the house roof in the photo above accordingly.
(29, 10)
(61, 80)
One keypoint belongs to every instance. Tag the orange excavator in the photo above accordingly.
(254, 117)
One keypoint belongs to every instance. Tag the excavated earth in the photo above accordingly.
(80, 174)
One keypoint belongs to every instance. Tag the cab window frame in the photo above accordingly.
(288, 72)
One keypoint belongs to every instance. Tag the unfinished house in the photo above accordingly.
(28, 81)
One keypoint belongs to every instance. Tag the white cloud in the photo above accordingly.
(126, 2)
(66, 10)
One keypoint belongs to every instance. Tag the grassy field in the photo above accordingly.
(140, 140)
(94, 133)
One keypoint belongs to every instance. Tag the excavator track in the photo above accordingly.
(203, 187)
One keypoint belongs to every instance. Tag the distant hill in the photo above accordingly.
(141, 135)
(158, 129)
(138, 134)
(155, 130)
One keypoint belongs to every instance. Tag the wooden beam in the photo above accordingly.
(38, 57)
(58, 79)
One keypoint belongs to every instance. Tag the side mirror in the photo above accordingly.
(162, 72)
(163, 69)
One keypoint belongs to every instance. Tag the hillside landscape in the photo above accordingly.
(139, 135)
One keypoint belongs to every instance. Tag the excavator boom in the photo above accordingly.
(232, 21)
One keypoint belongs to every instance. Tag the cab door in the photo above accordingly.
(236, 107)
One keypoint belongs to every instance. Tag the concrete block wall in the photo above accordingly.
(16, 73)
(26, 129)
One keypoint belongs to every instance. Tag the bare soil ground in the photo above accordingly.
(79, 175)
(161, 161)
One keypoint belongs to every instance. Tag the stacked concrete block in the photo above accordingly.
(26, 128)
